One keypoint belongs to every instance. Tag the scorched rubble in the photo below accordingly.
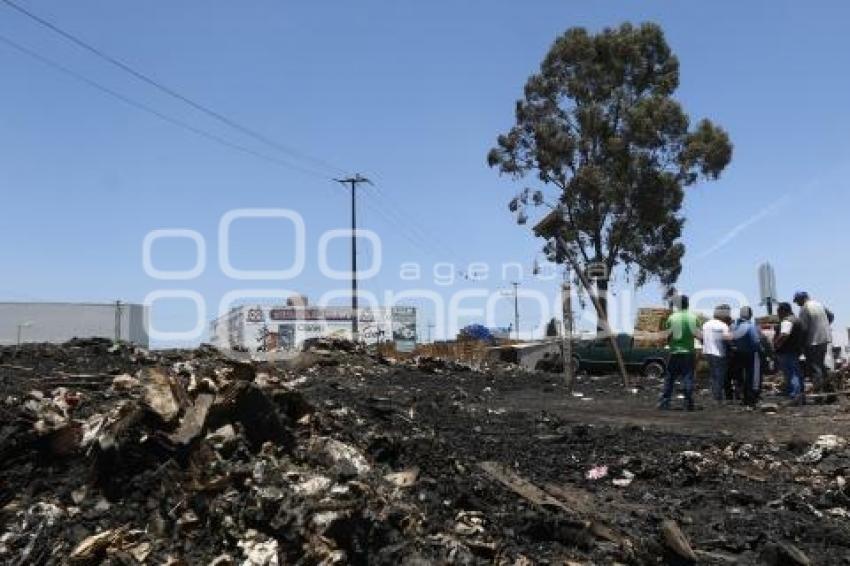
(113, 454)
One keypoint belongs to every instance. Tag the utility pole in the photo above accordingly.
(354, 181)
(516, 308)
(585, 282)
(117, 321)
(567, 338)
(430, 326)
(21, 326)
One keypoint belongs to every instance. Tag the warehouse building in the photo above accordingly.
(282, 328)
(60, 322)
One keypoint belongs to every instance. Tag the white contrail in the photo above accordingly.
(735, 231)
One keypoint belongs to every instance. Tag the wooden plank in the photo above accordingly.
(580, 503)
(17, 368)
(579, 500)
(519, 485)
(819, 395)
(749, 475)
(676, 540)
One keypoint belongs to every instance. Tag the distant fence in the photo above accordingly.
(466, 350)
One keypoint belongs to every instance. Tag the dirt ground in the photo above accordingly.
(343, 458)
(729, 476)
(734, 421)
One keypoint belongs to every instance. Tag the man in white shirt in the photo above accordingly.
(715, 337)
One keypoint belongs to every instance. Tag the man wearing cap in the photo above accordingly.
(746, 369)
(715, 339)
(815, 319)
(682, 328)
(788, 343)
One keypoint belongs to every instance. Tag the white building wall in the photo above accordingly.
(137, 325)
(60, 322)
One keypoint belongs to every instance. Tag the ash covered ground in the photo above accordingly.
(116, 455)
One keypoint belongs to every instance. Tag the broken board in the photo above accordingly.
(519, 485)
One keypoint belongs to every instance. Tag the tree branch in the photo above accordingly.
(561, 184)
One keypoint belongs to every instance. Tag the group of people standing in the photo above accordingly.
(735, 350)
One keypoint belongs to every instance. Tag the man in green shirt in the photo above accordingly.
(682, 327)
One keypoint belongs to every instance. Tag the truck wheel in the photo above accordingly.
(654, 370)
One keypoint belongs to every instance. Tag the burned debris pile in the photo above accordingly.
(116, 455)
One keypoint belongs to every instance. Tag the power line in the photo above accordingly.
(408, 230)
(409, 224)
(172, 92)
(399, 228)
(150, 110)
(414, 225)
(402, 229)
(400, 216)
(391, 221)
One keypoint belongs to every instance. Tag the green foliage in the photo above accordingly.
(599, 123)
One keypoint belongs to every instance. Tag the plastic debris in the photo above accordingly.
(596, 473)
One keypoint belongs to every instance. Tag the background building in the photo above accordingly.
(60, 322)
(271, 328)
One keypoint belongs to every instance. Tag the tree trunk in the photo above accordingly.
(602, 325)
(601, 314)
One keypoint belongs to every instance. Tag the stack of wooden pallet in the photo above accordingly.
(651, 319)
(649, 327)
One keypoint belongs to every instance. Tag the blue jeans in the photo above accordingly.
(815, 365)
(790, 364)
(680, 366)
(717, 368)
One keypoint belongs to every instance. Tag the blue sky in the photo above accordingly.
(412, 94)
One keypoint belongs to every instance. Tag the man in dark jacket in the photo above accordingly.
(732, 389)
(747, 345)
(789, 342)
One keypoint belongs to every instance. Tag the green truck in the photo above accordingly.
(597, 356)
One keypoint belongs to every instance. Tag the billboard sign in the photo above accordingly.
(285, 328)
